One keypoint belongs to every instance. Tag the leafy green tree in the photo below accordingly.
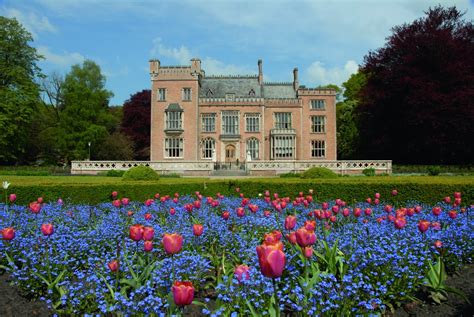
(116, 146)
(19, 93)
(85, 116)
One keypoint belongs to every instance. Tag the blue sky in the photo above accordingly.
(326, 40)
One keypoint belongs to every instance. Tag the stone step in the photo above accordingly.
(229, 173)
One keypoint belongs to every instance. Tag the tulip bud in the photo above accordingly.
(290, 222)
(438, 244)
(136, 232)
(8, 233)
(47, 229)
(12, 198)
(423, 225)
(148, 245)
(241, 272)
(225, 215)
(394, 192)
(197, 229)
(172, 211)
(147, 216)
(183, 293)
(113, 265)
(114, 194)
(308, 252)
(400, 223)
(40, 200)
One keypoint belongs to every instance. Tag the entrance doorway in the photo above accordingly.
(230, 153)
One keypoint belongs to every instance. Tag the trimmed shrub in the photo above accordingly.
(290, 175)
(319, 172)
(115, 173)
(370, 171)
(171, 175)
(140, 173)
(434, 170)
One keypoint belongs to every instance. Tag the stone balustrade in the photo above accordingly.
(256, 168)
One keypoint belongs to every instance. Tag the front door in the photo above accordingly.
(230, 153)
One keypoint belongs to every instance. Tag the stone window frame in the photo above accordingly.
(252, 145)
(210, 117)
(318, 148)
(318, 127)
(230, 118)
(317, 104)
(255, 117)
(173, 120)
(282, 120)
(283, 147)
(186, 94)
(162, 97)
(173, 147)
(208, 144)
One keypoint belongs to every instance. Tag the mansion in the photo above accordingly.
(195, 117)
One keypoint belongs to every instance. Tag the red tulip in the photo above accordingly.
(157, 195)
(436, 225)
(369, 200)
(310, 225)
(447, 199)
(47, 229)
(291, 237)
(457, 201)
(240, 212)
(346, 212)
(357, 212)
(147, 216)
(266, 213)
(423, 225)
(125, 201)
(116, 203)
(148, 233)
(410, 212)
(339, 202)
(241, 272)
(290, 222)
(400, 222)
(35, 207)
(335, 209)
(148, 245)
(136, 232)
(253, 208)
(457, 195)
(197, 204)
(388, 208)
(129, 213)
(368, 211)
(183, 293)
(308, 252)
(418, 209)
(225, 215)
(40, 200)
(438, 244)
(148, 202)
(305, 237)
(333, 218)
(12, 198)
(113, 265)
(172, 243)
(377, 195)
(176, 195)
(452, 214)
(376, 201)
(172, 211)
(197, 229)
(8, 233)
(114, 194)
(324, 205)
(436, 211)
(273, 238)
(394, 192)
(271, 259)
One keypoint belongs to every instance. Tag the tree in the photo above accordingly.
(416, 106)
(19, 93)
(116, 146)
(136, 122)
(85, 115)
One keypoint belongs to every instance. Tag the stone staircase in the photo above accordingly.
(231, 172)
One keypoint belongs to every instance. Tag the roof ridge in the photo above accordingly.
(231, 76)
(278, 83)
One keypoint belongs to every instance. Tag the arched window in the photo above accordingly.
(253, 148)
(208, 146)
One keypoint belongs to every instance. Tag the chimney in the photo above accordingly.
(154, 65)
(195, 65)
(296, 83)
(260, 72)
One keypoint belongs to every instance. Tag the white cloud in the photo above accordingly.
(183, 55)
(63, 61)
(30, 20)
(317, 74)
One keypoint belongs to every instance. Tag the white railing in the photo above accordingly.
(253, 167)
(164, 167)
(341, 167)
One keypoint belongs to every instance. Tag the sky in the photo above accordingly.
(327, 39)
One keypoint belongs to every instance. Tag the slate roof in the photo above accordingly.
(220, 86)
(174, 107)
(241, 86)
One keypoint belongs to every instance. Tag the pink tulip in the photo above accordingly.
(12, 198)
(8, 233)
(241, 272)
(308, 252)
(423, 225)
(225, 215)
(290, 222)
(271, 259)
(172, 243)
(148, 233)
(198, 229)
(113, 265)
(148, 246)
(47, 229)
(400, 223)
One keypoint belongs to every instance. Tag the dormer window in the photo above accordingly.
(252, 93)
(209, 93)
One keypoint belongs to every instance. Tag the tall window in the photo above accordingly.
(208, 146)
(230, 122)
(283, 120)
(318, 104)
(318, 148)
(252, 122)
(318, 124)
(283, 147)
(174, 120)
(161, 94)
(253, 148)
(208, 122)
(173, 147)
(186, 94)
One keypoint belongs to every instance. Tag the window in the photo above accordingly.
(174, 120)
(186, 94)
(283, 120)
(161, 94)
(173, 147)
(230, 122)
(208, 147)
(209, 93)
(252, 122)
(208, 122)
(318, 124)
(283, 146)
(318, 148)
(252, 148)
(318, 104)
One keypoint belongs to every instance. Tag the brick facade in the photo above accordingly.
(227, 118)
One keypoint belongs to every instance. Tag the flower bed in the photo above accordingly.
(217, 255)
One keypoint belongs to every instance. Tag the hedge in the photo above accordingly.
(423, 192)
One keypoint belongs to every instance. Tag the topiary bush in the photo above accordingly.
(290, 175)
(370, 171)
(140, 173)
(434, 170)
(318, 172)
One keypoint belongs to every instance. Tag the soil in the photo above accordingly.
(12, 303)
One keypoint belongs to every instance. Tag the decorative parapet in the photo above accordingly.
(164, 167)
(341, 167)
(316, 91)
(283, 100)
(236, 100)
